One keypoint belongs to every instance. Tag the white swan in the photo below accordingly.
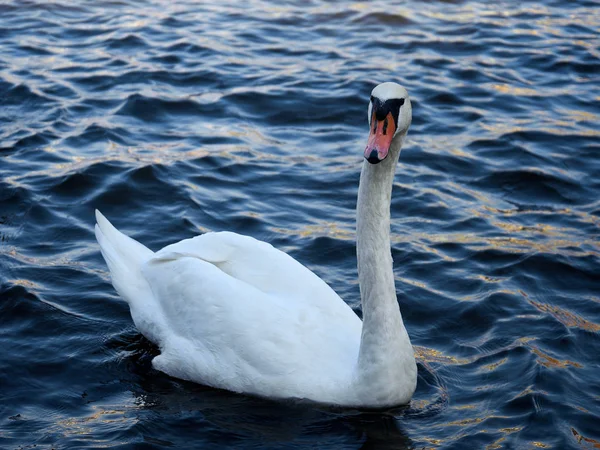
(233, 312)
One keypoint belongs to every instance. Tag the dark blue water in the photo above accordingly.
(251, 117)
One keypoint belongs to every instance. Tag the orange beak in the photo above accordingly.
(380, 138)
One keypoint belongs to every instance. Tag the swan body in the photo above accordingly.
(233, 312)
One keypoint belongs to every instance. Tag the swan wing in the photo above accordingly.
(258, 264)
(229, 326)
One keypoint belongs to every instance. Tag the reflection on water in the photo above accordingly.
(179, 118)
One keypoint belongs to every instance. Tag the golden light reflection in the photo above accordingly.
(558, 129)
(553, 363)
(460, 407)
(430, 355)
(567, 318)
(506, 431)
(517, 91)
(511, 429)
(66, 259)
(580, 438)
(461, 153)
(25, 283)
(483, 198)
(164, 154)
(496, 444)
(494, 366)
(506, 244)
(358, 6)
(86, 425)
(419, 284)
(489, 279)
(584, 216)
(576, 115)
(463, 422)
(580, 408)
(323, 228)
(433, 441)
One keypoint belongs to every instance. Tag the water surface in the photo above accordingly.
(251, 117)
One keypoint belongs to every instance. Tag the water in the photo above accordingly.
(251, 117)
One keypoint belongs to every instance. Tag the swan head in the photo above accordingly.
(390, 115)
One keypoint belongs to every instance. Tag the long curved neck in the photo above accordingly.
(386, 357)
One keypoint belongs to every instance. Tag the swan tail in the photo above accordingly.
(124, 257)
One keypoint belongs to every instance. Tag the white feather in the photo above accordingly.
(235, 313)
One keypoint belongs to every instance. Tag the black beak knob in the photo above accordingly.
(374, 157)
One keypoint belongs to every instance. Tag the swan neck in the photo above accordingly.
(375, 271)
(386, 365)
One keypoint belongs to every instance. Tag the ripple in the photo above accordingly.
(154, 109)
(177, 119)
(383, 19)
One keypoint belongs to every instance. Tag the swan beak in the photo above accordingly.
(380, 138)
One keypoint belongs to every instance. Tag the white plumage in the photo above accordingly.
(235, 313)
